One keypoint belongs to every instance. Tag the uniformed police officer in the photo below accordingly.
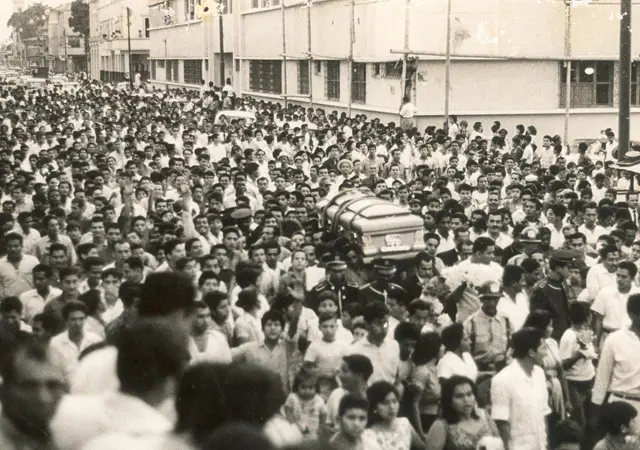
(380, 287)
(551, 295)
(529, 242)
(335, 281)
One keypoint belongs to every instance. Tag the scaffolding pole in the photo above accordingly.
(284, 54)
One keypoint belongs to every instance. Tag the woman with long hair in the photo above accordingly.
(462, 424)
(388, 430)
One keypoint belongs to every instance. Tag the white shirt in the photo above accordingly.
(582, 370)
(523, 402)
(85, 422)
(69, 352)
(216, 351)
(611, 304)
(384, 358)
(619, 366)
(516, 310)
(451, 364)
(592, 235)
(598, 278)
(408, 110)
(502, 241)
(33, 303)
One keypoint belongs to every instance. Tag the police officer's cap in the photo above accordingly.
(530, 234)
(565, 256)
(490, 289)
(384, 266)
(335, 262)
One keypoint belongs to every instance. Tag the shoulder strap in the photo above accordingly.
(508, 324)
(473, 335)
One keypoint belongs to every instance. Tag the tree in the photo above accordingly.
(30, 21)
(79, 22)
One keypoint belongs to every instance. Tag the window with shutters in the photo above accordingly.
(332, 80)
(359, 83)
(591, 84)
(303, 77)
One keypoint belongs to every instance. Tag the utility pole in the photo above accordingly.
(447, 69)
(352, 35)
(567, 54)
(624, 88)
(309, 6)
(66, 53)
(221, 10)
(284, 53)
(403, 84)
(129, 48)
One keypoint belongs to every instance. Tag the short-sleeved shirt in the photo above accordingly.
(451, 364)
(327, 356)
(384, 358)
(522, 401)
(581, 370)
(612, 306)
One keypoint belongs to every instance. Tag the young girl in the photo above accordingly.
(385, 427)
(304, 407)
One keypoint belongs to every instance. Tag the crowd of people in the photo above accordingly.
(166, 281)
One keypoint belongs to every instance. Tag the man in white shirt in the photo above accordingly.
(150, 358)
(519, 397)
(603, 274)
(407, 111)
(69, 344)
(206, 344)
(33, 301)
(610, 305)
(383, 352)
(618, 372)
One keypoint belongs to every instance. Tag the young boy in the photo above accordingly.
(207, 282)
(328, 304)
(221, 317)
(353, 415)
(324, 355)
(354, 374)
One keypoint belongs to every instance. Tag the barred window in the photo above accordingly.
(176, 69)
(192, 70)
(388, 70)
(265, 76)
(169, 70)
(332, 80)
(160, 63)
(303, 77)
(359, 83)
(152, 65)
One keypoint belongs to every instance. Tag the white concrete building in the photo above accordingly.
(513, 69)
(186, 49)
(66, 47)
(109, 39)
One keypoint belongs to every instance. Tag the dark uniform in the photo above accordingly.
(379, 290)
(551, 296)
(346, 292)
(382, 288)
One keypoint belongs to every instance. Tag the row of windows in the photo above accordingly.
(192, 72)
(266, 76)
